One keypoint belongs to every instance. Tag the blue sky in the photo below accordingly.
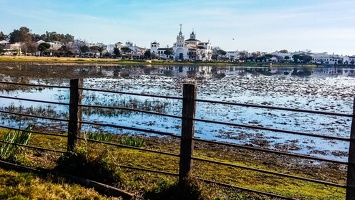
(255, 25)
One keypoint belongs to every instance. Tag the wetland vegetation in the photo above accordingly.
(310, 88)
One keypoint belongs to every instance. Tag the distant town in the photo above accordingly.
(23, 42)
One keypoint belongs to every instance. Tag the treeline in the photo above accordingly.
(24, 35)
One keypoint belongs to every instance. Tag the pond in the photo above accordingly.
(320, 89)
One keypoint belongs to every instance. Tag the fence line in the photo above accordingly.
(245, 189)
(36, 132)
(269, 172)
(35, 85)
(34, 100)
(273, 129)
(269, 151)
(34, 116)
(187, 133)
(33, 147)
(130, 93)
(275, 108)
(133, 110)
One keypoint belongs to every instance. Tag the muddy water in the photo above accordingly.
(322, 89)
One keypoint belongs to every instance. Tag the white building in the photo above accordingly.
(325, 58)
(192, 48)
(232, 55)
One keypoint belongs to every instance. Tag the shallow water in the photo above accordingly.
(323, 89)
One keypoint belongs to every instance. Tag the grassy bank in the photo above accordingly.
(143, 183)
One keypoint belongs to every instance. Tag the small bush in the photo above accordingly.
(98, 167)
(189, 189)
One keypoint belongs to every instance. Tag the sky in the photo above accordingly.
(252, 25)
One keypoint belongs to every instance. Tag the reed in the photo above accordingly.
(9, 149)
(132, 141)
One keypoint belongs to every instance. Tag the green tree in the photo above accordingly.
(168, 52)
(117, 52)
(126, 50)
(283, 51)
(20, 35)
(2, 36)
(147, 54)
(84, 49)
(43, 47)
(221, 52)
(100, 50)
(301, 58)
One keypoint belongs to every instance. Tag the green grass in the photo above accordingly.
(133, 141)
(16, 185)
(144, 183)
(105, 137)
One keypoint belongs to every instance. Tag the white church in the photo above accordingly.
(191, 49)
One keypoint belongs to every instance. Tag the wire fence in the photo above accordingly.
(187, 138)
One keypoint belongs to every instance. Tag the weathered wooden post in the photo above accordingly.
(350, 183)
(187, 130)
(75, 114)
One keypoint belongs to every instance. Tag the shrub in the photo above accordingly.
(189, 189)
(98, 167)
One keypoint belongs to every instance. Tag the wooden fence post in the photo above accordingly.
(350, 183)
(75, 114)
(187, 130)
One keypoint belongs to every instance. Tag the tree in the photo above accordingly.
(283, 51)
(243, 55)
(84, 49)
(43, 47)
(147, 54)
(168, 52)
(2, 36)
(221, 52)
(126, 50)
(117, 52)
(301, 58)
(29, 47)
(100, 50)
(21, 35)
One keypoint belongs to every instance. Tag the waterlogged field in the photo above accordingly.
(321, 89)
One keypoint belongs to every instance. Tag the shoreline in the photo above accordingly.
(113, 62)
